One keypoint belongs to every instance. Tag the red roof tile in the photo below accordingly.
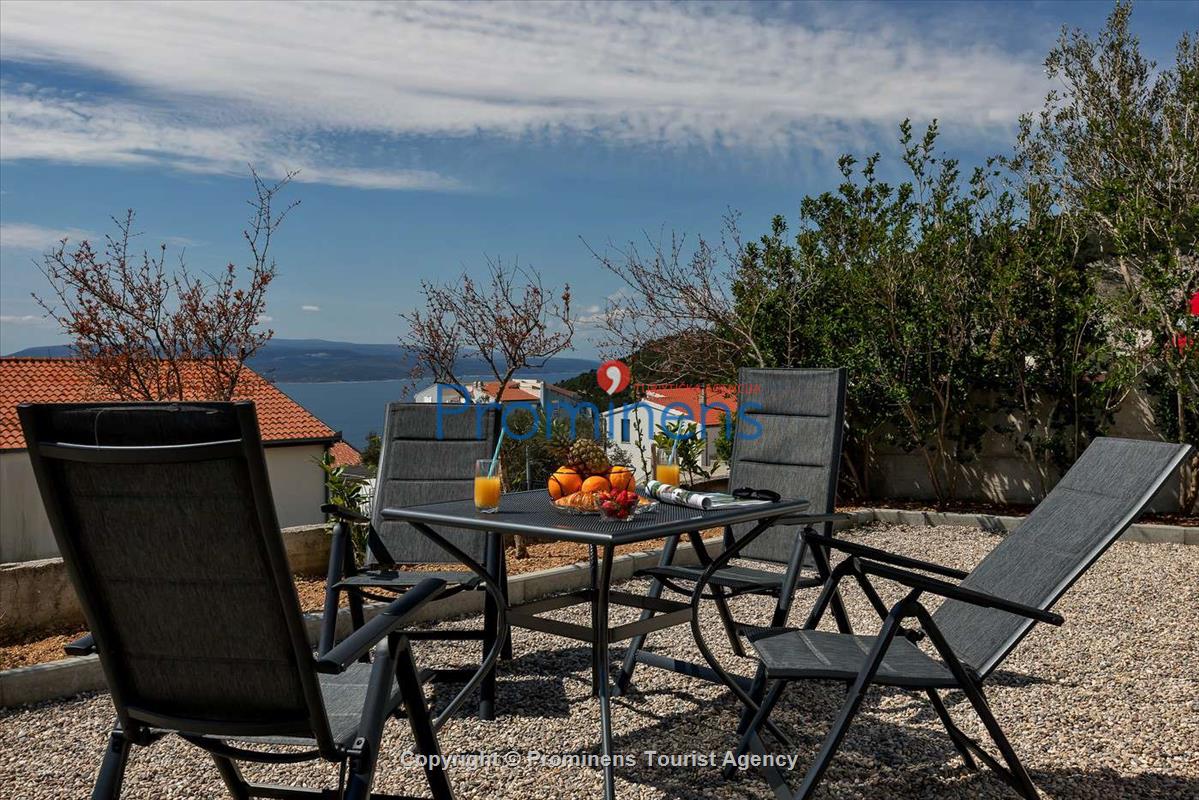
(65, 380)
(689, 396)
(511, 393)
(344, 455)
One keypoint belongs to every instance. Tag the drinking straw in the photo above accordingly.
(496, 456)
(674, 448)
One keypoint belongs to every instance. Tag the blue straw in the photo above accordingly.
(496, 456)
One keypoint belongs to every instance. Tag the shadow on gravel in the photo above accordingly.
(1108, 783)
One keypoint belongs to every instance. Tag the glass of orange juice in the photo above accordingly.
(666, 469)
(487, 485)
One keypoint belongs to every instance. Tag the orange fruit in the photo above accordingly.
(622, 479)
(596, 483)
(565, 481)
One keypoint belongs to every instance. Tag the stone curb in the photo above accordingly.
(71, 676)
(1142, 532)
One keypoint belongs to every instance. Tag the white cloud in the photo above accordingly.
(265, 318)
(43, 124)
(26, 236)
(252, 78)
(23, 319)
(310, 308)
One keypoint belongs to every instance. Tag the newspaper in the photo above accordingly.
(704, 501)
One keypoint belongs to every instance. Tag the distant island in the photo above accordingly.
(321, 361)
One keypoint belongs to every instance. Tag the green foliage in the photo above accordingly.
(689, 450)
(724, 438)
(372, 452)
(1045, 286)
(347, 492)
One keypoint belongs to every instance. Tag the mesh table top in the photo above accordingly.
(531, 514)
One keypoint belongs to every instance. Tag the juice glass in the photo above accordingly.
(487, 485)
(665, 469)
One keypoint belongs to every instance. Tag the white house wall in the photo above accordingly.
(24, 529)
(296, 483)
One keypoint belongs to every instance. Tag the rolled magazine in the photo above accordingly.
(704, 501)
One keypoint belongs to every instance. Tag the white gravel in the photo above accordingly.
(1106, 706)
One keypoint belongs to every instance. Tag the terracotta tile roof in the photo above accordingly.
(689, 396)
(64, 380)
(511, 393)
(344, 455)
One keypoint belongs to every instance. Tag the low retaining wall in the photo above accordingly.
(37, 595)
(71, 676)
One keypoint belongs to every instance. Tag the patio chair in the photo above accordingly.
(984, 617)
(796, 454)
(164, 518)
(417, 465)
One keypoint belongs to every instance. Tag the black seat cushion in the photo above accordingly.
(789, 653)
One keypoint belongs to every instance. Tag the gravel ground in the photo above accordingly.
(1105, 707)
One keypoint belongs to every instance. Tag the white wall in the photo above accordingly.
(24, 530)
(296, 482)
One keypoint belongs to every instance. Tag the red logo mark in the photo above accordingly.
(612, 376)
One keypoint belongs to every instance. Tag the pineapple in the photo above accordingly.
(587, 456)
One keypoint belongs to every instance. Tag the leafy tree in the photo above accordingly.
(510, 322)
(683, 438)
(372, 452)
(349, 492)
(148, 332)
(1119, 145)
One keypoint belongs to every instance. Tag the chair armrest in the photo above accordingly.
(972, 596)
(386, 622)
(343, 513)
(85, 645)
(855, 549)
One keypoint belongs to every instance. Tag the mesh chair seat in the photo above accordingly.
(402, 579)
(735, 578)
(344, 695)
(839, 656)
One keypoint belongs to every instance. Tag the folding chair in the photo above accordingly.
(797, 453)
(424, 460)
(164, 518)
(983, 618)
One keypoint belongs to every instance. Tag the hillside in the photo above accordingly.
(318, 360)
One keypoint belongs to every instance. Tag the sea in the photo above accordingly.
(356, 408)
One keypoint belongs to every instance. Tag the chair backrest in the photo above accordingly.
(798, 451)
(164, 518)
(1090, 507)
(420, 465)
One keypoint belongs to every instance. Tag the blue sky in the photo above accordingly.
(430, 136)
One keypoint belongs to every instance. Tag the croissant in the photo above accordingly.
(581, 501)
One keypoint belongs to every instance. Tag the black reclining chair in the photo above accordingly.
(164, 518)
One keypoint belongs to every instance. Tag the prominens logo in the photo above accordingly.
(613, 376)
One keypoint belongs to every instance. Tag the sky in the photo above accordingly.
(430, 138)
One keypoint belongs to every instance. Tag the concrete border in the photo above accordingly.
(71, 676)
(1141, 532)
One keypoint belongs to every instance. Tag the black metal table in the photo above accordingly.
(530, 514)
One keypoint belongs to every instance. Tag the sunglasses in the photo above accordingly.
(746, 493)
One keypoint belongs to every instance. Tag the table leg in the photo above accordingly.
(602, 663)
